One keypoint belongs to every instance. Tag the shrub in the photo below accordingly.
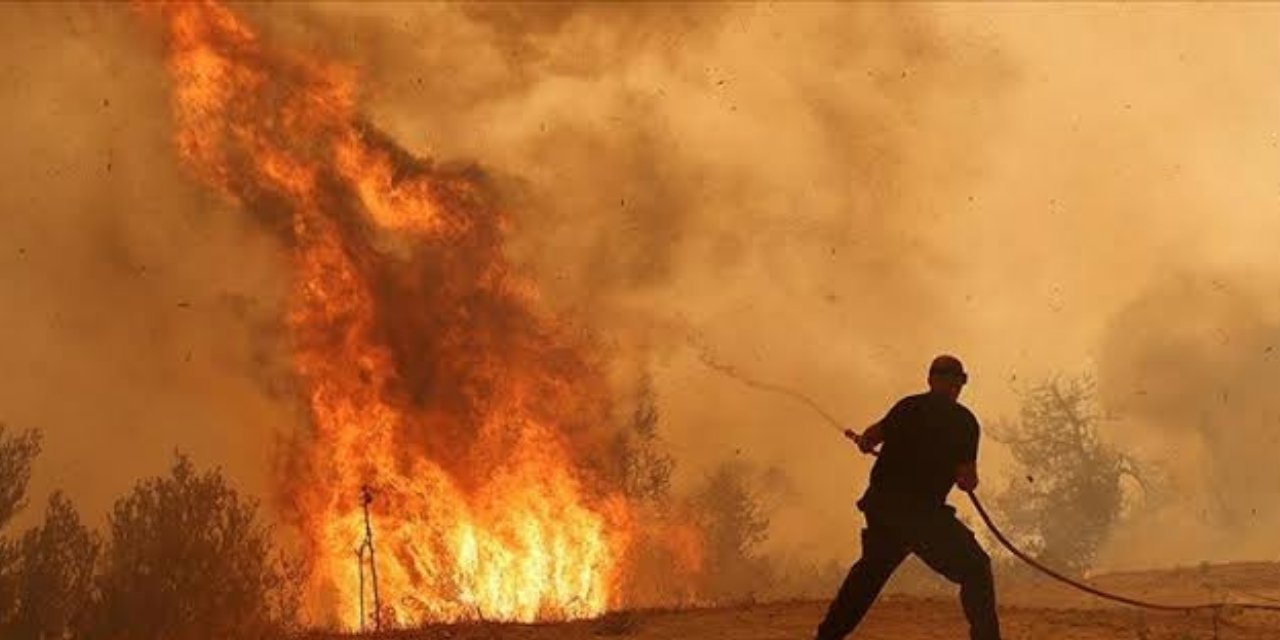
(187, 558)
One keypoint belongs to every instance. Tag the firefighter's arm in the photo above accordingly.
(967, 472)
(869, 439)
(967, 476)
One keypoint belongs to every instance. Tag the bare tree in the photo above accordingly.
(1069, 489)
(188, 558)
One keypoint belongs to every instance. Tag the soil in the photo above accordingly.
(1033, 610)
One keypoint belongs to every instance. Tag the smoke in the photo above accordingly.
(139, 313)
(1128, 211)
(1190, 367)
(826, 195)
(765, 177)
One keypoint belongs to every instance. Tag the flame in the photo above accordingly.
(428, 371)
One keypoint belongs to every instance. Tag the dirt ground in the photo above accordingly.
(894, 618)
(1033, 610)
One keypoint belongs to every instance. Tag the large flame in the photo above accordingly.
(429, 373)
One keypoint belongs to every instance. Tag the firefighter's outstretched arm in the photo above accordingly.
(869, 439)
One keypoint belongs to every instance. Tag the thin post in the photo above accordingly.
(360, 567)
(366, 498)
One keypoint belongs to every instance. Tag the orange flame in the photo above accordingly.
(428, 372)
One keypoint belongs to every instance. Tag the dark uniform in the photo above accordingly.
(926, 438)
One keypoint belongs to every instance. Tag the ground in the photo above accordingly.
(1033, 611)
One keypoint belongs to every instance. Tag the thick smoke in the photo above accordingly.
(767, 179)
(140, 314)
(1190, 367)
(826, 195)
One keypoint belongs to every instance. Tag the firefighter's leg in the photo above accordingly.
(882, 552)
(949, 547)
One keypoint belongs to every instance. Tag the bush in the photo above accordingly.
(187, 558)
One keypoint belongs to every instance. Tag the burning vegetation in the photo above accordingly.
(478, 423)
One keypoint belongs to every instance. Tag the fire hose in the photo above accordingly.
(1215, 607)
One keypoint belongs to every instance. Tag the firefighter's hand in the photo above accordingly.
(865, 444)
(855, 437)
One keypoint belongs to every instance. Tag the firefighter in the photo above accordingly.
(930, 443)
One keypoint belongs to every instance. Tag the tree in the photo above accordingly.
(54, 577)
(646, 465)
(187, 558)
(734, 525)
(663, 562)
(16, 455)
(1069, 489)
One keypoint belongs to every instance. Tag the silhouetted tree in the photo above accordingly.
(1069, 487)
(54, 575)
(734, 524)
(16, 455)
(187, 558)
(665, 555)
(646, 463)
